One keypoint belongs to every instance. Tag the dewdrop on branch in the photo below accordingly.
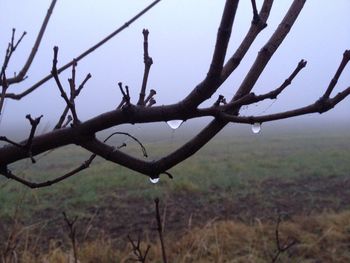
(154, 180)
(174, 124)
(256, 128)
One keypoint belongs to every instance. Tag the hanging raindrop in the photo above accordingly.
(154, 180)
(174, 124)
(256, 128)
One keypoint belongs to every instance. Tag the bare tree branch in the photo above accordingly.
(344, 62)
(21, 75)
(222, 111)
(160, 230)
(84, 54)
(148, 63)
(69, 102)
(211, 83)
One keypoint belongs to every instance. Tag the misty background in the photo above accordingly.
(181, 42)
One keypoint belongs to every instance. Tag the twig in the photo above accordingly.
(148, 63)
(27, 146)
(343, 63)
(256, 17)
(86, 164)
(125, 95)
(23, 71)
(72, 234)
(151, 102)
(84, 54)
(8, 174)
(160, 229)
(69, 102)
(136, 248)
(251, 98)
(152, 92)
(144, 152)
(11, 48)
(74, 93)
(281, 248)
(320, 106)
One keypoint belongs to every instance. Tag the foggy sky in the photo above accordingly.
(181, 41)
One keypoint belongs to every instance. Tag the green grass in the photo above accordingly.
(229, 163)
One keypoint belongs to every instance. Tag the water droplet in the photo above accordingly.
(154, 180)
(174, 124)
(256, 128)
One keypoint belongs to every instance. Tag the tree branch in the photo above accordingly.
(320, 106)
(69, 102)
(148, 63)
(21, 75)
(343, 63)
(82, 55)
(211, 83)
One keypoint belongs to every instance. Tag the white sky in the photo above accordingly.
(182, 36)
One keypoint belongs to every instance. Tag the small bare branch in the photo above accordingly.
(281, 248)
(125, 95)
(137, 250)
(320, 106)
(11, 48)
(343, 63)
(160, 229)
(71, 224)
(69, 102)
(151, 102)
(144, 152)
(84, 54)
(256, 17)
(251, 98)
(8, 174)
(152, 92)
(72, 98)
(148, 63)
(21, 75)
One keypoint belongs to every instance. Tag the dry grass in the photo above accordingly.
(321, 238)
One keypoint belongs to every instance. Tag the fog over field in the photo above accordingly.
(182, 36)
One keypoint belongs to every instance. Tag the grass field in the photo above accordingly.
(238, 183)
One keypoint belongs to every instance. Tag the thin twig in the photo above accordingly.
(256, 17)
(144, 152)
(160, 229)
(148, 63)
(69, 102)
(27, 146)
(72, 234)
(137, 250)
(21, 75)
(281, 248)
(343, 63)
(8, 174)
(125, 95)
(74, 93)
